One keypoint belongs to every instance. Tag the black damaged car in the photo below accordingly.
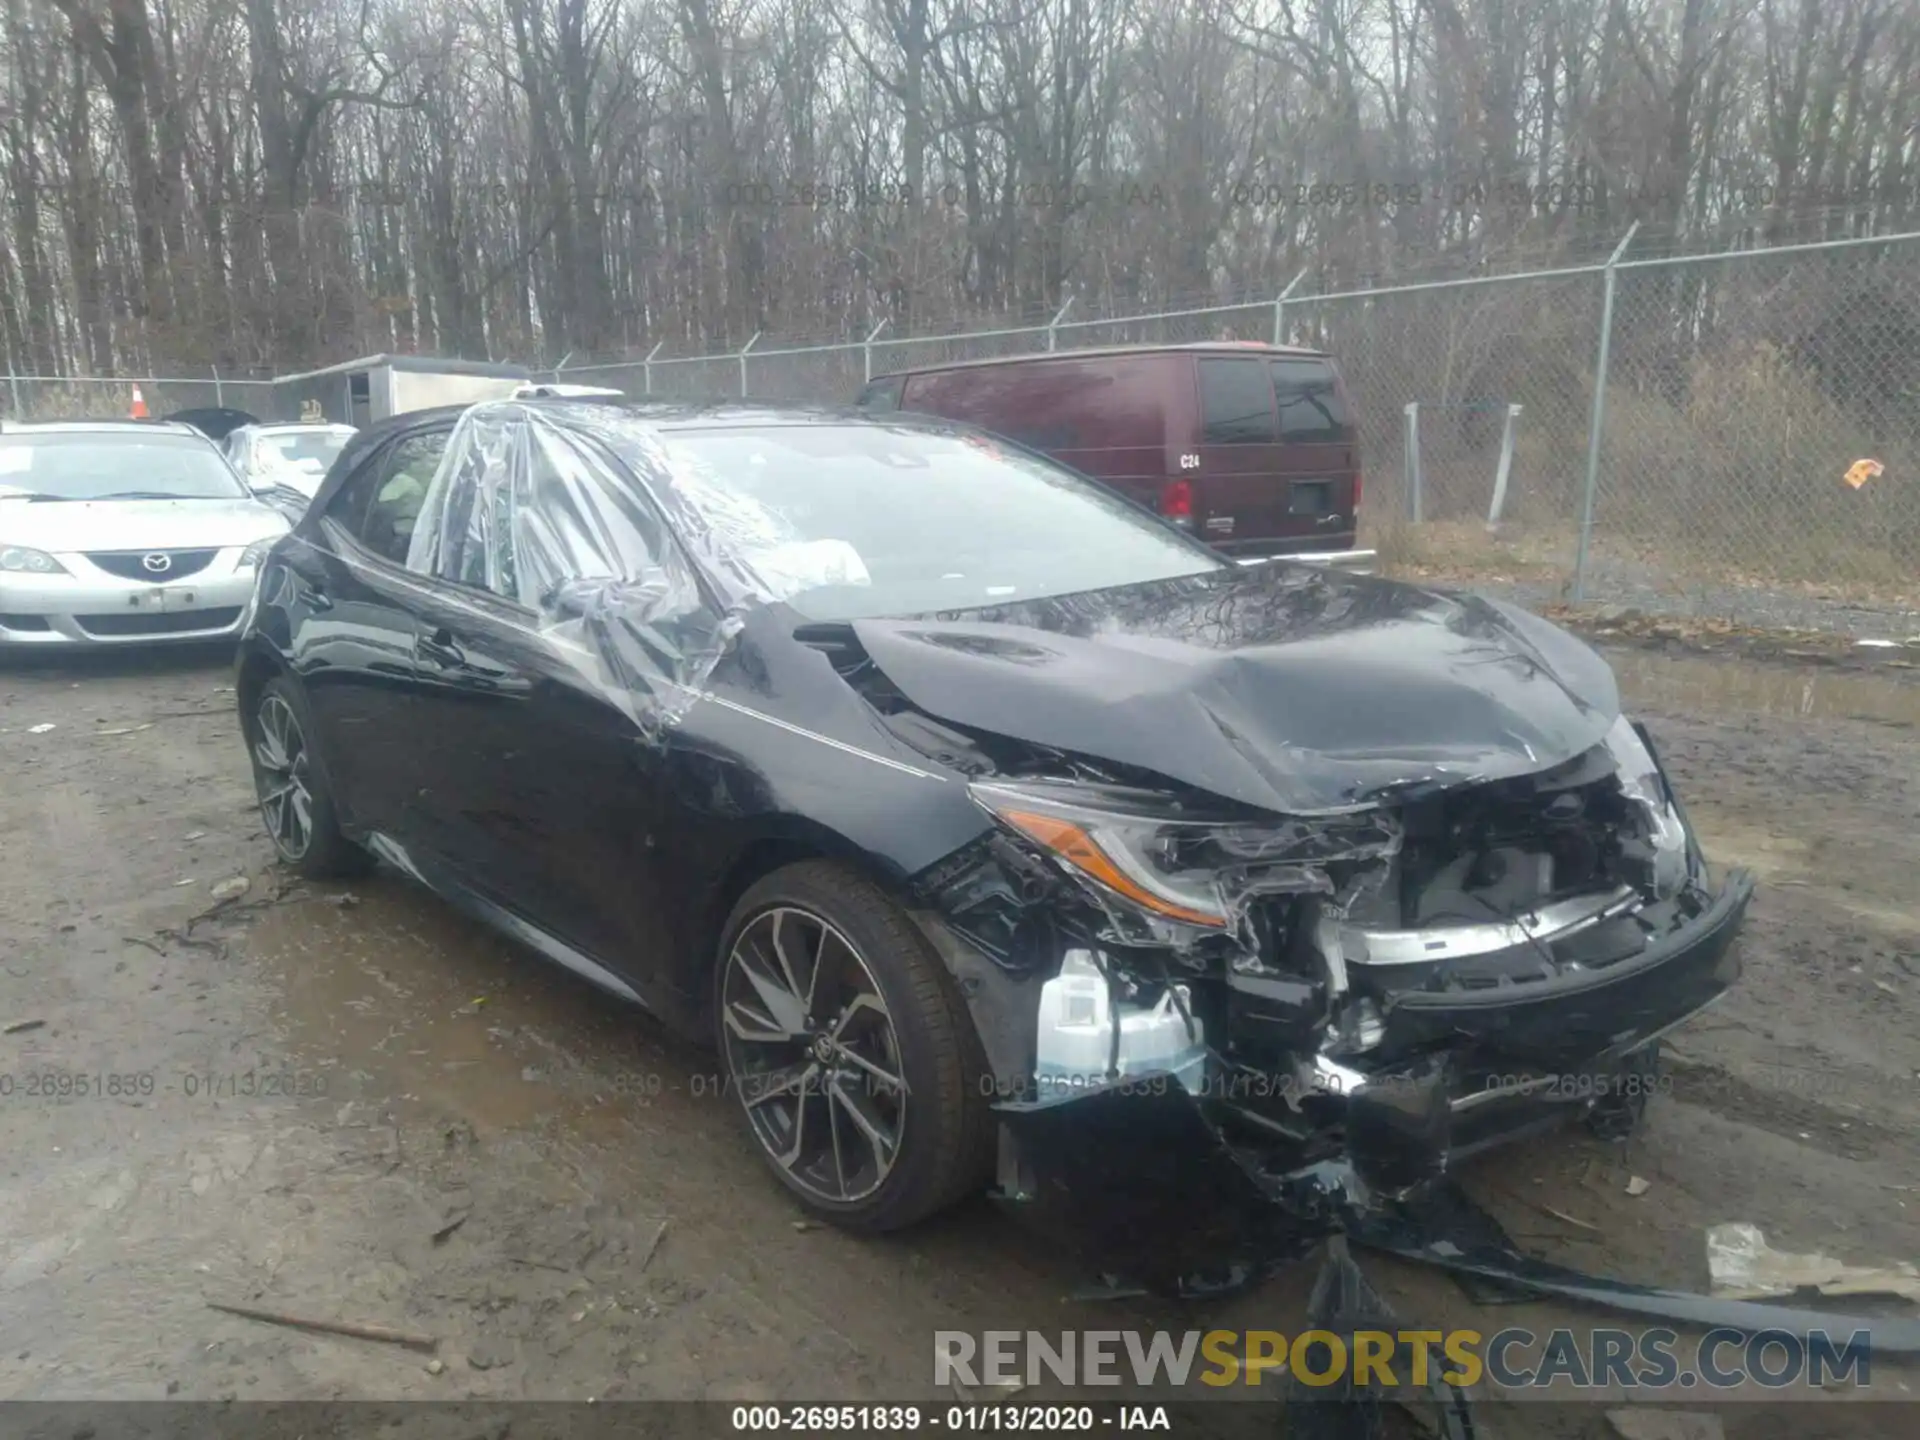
(993, 830)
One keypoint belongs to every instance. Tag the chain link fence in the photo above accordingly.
(1742, 392)
(1436, 373)
(1681, 446)
(80, 397)
(1678, 435)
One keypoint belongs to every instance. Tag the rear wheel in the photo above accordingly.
(296, 804)
(853, 1060)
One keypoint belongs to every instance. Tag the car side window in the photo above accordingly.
(581, 523)
(380, 504)
(882, 396)
(1236, 403)
(532, 513)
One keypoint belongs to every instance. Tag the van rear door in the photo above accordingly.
(1278, 455)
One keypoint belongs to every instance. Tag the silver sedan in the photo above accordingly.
(116, 533)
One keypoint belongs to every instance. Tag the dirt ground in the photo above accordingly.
(350, 1103)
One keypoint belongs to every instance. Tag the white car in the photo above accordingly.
(124, 532)
(285, 463)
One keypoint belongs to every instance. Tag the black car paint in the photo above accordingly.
(216, 422)
(477, 752)
(1295, 690)
(450, 729)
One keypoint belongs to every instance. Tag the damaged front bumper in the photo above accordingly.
(1258, 1023)
(1210, 1180)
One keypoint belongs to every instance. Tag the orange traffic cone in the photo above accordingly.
(139, 405)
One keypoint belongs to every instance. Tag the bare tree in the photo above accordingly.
(253, 182)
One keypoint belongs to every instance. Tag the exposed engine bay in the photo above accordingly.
(1275, 966)
(1291, 892)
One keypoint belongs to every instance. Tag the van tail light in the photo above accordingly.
(1176, 502)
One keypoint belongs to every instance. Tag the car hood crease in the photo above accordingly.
(1289, 688)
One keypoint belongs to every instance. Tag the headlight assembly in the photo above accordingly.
(1126, 853)
(1176, 864)
(1641, 782)
(18, 559)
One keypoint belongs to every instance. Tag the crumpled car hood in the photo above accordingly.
(1293, 689)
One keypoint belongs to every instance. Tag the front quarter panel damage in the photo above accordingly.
(1342, 1074)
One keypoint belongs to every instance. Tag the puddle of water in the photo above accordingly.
(1697, 682)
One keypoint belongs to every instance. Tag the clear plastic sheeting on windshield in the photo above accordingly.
(590, 519)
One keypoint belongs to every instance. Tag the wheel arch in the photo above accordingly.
(258, 664)
(785, 840)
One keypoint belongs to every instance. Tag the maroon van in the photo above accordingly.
(1253, 447)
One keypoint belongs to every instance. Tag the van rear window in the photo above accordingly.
(1311, 409)
(1236, 403)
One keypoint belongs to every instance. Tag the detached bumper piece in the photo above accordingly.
(1172, 1190)
(1449, 1231)
(1143, 1185)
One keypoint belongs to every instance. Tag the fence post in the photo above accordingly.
(1412, 467)
(560, 365)
(1280, 309)
(743, 362)
(13, 389)
(646, 369)
(1501, 472)
(1599, 420)
(866, 350)
(1059, 315)
(219, 399)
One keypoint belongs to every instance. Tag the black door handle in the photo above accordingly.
(310, 588)
(441, 647)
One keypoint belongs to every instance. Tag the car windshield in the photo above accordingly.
(859, 521)
(136, 465)
(309, 450)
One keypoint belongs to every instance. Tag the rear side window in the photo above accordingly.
(882, 396)
(379, 505)
(1311, 410)
(1236, 402)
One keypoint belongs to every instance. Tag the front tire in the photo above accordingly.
(296, 804)
(852, 1057)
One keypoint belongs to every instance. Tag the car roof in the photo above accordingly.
(96, 427)
(669, 414)
(1104, 352)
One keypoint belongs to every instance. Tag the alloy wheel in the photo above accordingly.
(282, 777)
(813, 1052)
